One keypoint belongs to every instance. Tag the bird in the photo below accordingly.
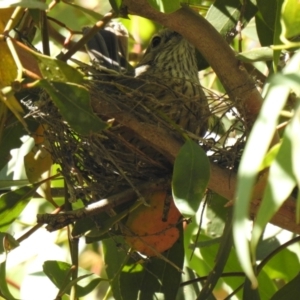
(169, 71)
(167, 74)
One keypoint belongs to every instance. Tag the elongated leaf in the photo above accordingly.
(277, 34)
(268, 10)
(256, 148)
(264, 32)
(13, 203)
(280, 184)
(270, 156)
(3, 283)
(190, 178)
(294, 130)
(73, 102)
(115, 257)
(261, 134)
(221, 258)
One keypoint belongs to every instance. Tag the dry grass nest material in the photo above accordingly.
(115, 159)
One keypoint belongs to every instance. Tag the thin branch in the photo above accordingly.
(63, 219)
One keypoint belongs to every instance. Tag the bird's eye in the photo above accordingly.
(156, 41)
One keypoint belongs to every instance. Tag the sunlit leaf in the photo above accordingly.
(290, 18)
(190, 178)
(3, 283)
(13, 203)
(252, 158)
(73, 102)
(165, 6)
(295, 129)
(280, 184)
(290, 291)
(38, 163)
(270, 156)
(224, 15)
(259, 54)
(24, 3)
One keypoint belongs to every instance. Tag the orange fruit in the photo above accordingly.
(151, 229)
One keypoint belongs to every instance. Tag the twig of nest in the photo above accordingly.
(121, 158)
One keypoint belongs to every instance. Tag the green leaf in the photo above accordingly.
(221, 259)
(156, 278)
(82, 226)
(264, 33)
(12, 204)
(270, 156)
(261, 134)
(115, 256)
(91, 13)
(7, 242)
(277, 34)
(81, 291)
(281, 182)
(3, 283)
(165, 6)
(249, 293)
(258, 54)
(190, 177)
(59, 273)
(116, 4)
(53, 69)
(276, 269)
(294, 132)
(216, 214)
(11, 138)
(290, 18)
(73, 102)
(290, 291)
(24, 3)
(224, 15)
(268, 10)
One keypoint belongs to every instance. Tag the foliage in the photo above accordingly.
(220, 254)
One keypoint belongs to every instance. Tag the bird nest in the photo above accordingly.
(101, 164)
